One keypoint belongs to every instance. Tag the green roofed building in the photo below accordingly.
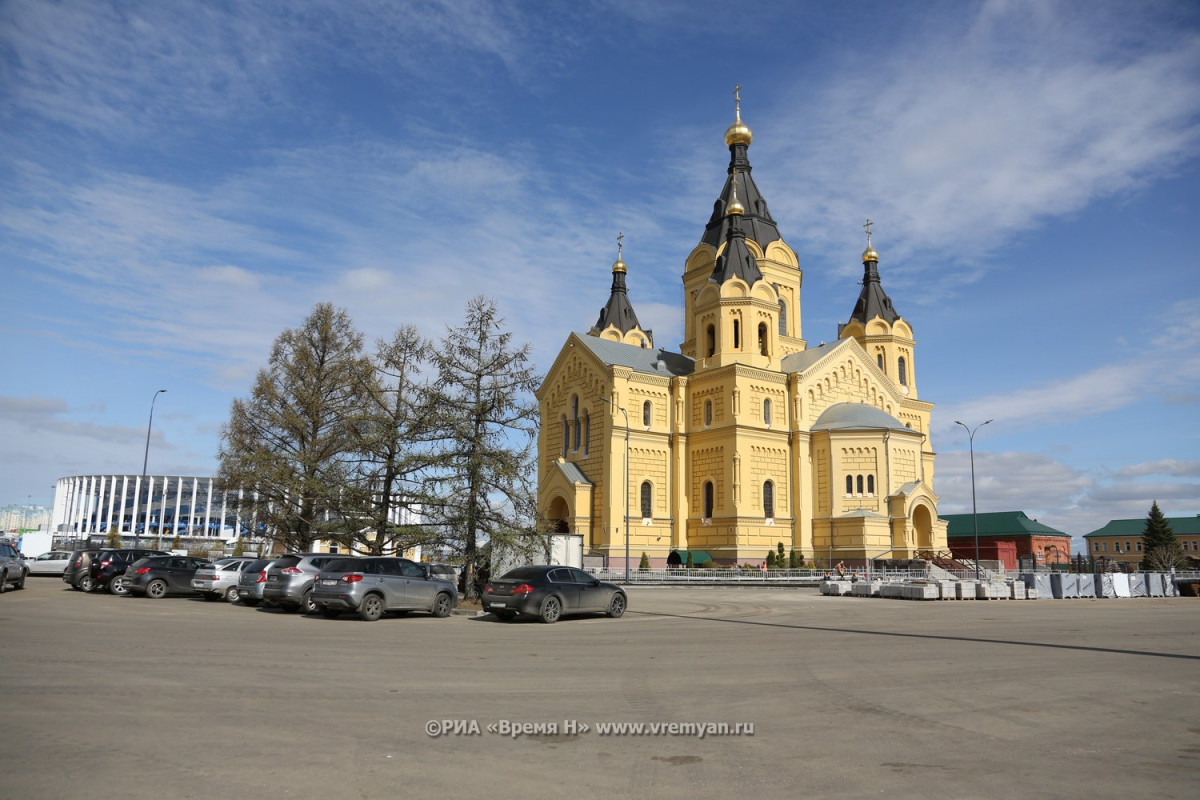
(1121, 539)
(1007, 536)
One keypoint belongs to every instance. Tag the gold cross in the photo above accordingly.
(868, 227)
(620, 236)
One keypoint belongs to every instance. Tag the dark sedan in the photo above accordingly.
(548, 592)
(159, 576)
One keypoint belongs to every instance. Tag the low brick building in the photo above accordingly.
(1007, 537)
(1121, 539)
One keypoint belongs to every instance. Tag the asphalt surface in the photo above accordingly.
(849, 697)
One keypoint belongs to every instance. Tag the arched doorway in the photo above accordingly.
(557, 516)
(922, 522)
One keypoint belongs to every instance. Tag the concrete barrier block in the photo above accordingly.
(1017, 590)
(983, 590)
(923, 591)
(892, 590)
(1032, 593)
(947, 590)
(965, 590)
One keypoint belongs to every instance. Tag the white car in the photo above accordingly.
(52, 563)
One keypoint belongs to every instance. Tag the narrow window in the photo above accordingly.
(587, 431)
(902, 371)
(647, 496)
(871, 484)
(1139, 544)
(707, 413)
(849, 484)
(879, 360)
(566, 436)
(762, 338)
(1095, 547)
(767, 412)
(1105, 546)
(711, 334)
(860, 484)
(575, 419)
(769, 500)
(782, 318)
(647, 409)
(737, 335)
(708, 500)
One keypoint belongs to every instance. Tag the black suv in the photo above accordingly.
(78, 571)
(162, 575)
(108, 568)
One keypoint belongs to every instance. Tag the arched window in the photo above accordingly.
(767, 412)
(769, 500)
(647, 410)
(849, 484)
(762, 339)
(737, 335)
(707, 413)
(587, 431)
(566, 433)
(782, 318)
(647, 497)
(870, 484)
(879, 360)
(902, 371)
(708, 499)
(575, 420)
(711, 336)
(860, 484)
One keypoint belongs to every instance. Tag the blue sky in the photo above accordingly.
(184, 180)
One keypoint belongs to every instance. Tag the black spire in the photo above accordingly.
(618, 311)
(758, 224)
(872, 300)
(736, 260)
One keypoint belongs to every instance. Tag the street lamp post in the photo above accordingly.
(145, 458)
(974, 511)
(623, 411)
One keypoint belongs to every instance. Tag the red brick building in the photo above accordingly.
(1007, 536)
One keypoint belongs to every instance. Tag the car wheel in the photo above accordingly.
(372, 608)
(307, 606)
(117, 586)
(249, 601)
(3, 582)
(232, 594)
(616, 606)
(442, 605)
(551, 609)
(21, 581)
(155, 589)
(505, 616)
(330, 613)
(86, 584)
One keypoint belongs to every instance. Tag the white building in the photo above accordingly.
(87, 505)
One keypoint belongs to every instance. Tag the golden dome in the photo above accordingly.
(618, 265)
(739, 132)
(870, 255)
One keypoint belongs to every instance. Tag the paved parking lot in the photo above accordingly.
(132, 698)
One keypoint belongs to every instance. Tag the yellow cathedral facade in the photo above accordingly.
(746, 437)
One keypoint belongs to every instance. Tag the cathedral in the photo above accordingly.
(746, 437)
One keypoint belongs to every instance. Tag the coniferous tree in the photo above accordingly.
(1161, 548)
(286, 447)
(486, 473)
(395, 433)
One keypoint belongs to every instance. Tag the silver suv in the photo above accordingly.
(290, 580)
(220, 578)
(252, 580)
(372, 586)
(12, 567)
